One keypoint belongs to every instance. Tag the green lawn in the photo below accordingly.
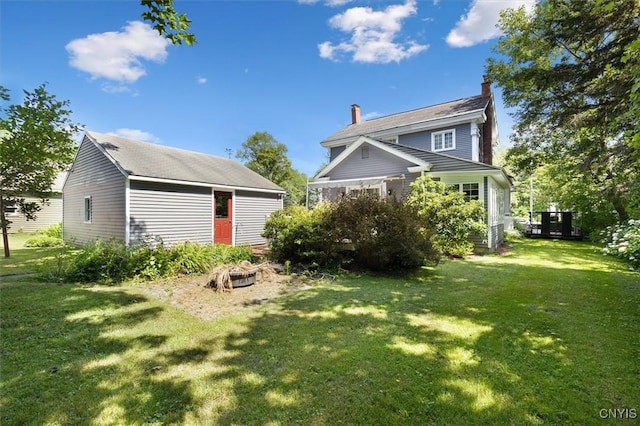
(547, 334)
(25, 260)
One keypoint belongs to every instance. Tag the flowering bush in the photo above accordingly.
(623, 241)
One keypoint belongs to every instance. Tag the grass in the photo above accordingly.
(26, 260)
(547, 334)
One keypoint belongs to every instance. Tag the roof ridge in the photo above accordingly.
(420, 108)
(159, 146)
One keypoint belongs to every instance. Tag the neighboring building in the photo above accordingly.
(131, 190)
(452, 142)
(50, 212)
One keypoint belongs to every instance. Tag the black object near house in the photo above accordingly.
(560, 225)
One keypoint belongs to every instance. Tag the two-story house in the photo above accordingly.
(452, 142)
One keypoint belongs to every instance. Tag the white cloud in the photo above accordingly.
(201, 80)
(373, 35)
(481, 21)
(330, 3)
(139, 135)
(117, 88)
(117, 55)
(336, 3)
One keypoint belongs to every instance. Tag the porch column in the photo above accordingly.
(475, 141)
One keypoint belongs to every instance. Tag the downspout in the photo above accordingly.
(307, 197)
(127, 211)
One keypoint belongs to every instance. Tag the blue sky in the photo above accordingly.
(291, 68)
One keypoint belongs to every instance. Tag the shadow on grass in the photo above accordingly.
(493, 341)
(387, 351)
(67, 358)
(29, 260)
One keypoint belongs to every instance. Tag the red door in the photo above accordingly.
(222, 222)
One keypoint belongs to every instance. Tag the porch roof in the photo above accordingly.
(339, 183)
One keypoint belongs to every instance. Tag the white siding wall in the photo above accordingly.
(252, 209)
(50, 214)
(93, 175)
(176, 213)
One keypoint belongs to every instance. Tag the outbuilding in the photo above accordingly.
(131, 190)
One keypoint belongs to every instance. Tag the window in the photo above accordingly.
(471, 191)
(443, 141)
(354, 191)
(365, 152)
(222, 205)
(87, 209)
(11, 210)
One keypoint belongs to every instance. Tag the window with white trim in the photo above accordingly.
(88, 209)
(471, 191)
(354, 191)
(11, 210)
(443, 141)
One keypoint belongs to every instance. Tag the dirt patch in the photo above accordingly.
(192, 296)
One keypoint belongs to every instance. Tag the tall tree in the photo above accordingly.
(566, 69)
(36, 143)
(296, 187)
(266, 156)
(168, 22)
(263, 154)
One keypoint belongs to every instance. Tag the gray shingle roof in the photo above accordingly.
(158, 161)
(440, 161)
(421, 115)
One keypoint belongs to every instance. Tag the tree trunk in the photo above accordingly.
(620, 208)
(3, 225)
(5, 241)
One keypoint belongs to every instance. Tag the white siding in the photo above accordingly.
(50, 214)
(252, 209)
(93, 175)
(175, 213)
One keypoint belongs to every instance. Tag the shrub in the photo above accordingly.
(113, 261)
(190, 258)
(50, 237)
(383, 234)
(148, 261)
(452, 219)
(363, 231)
(43, 241)
(386, 234)
(512, 235)
(302, 236)
(220, 254)
(623, 241)
(54, 231)
(100, 261)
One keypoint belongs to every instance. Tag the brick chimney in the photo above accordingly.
(355, 114)
(486, 153)
(486, 87)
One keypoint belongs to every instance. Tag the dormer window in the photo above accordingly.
(444, 140)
